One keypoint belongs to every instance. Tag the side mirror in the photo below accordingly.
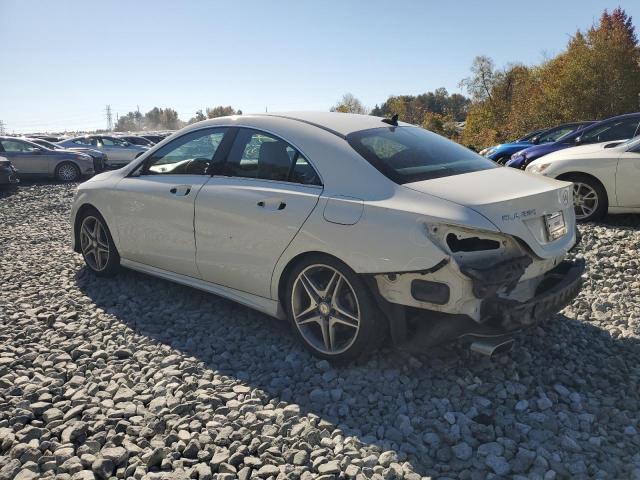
(578, 140)
(535, 139)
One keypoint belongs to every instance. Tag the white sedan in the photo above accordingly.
(605, 176)
(352, 227)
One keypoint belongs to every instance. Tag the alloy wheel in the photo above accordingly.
(585, 200)
(325, 309)
(67, 172)
(94, 243)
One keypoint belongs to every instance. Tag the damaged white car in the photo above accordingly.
(354, 228)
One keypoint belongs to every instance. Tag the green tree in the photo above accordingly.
(349, 104)
(198, 117)
(220, 111)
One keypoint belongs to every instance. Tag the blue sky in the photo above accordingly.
(61, 62)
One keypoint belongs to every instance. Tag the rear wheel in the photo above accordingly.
(98, 250)
(332, 311)
(590, 200)
(502, 160)
(67, 172)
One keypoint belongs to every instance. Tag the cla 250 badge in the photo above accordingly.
(519, 215)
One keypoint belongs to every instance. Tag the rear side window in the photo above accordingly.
(412, 154)
(15, 146)
(257, 154)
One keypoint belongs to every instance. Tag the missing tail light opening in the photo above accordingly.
(470, 244)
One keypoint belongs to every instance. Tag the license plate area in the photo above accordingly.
(555, 224)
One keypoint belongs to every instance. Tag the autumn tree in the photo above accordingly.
(597, 76)
(220, 111)
(349, 104)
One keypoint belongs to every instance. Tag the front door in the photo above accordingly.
(246, 218)
(155, 204)
(628, 178)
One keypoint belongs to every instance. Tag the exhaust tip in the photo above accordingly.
(492, 347)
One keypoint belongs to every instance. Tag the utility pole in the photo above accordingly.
(2, 127)
(109, 119)
(139, 118)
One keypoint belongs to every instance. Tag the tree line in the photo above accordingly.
(596, 76)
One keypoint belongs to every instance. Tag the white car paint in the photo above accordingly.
(615, 164)
(218, 239)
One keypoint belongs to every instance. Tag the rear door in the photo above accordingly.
(155, 204)
(245, 218)
(26, 157)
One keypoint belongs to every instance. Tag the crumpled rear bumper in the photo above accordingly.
(556, 290)
(415, 329)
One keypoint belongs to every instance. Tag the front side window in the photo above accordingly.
(412, 154)
(257, 154)
(83, 141)
(15, 146)
(191, 154)
(618, 130)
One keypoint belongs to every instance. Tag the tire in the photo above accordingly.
(586, 188)
(67, 172)
(343, 304)
(97, 247)
(502, 160)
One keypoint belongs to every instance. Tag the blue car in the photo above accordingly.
(503, 152)
(621, 127)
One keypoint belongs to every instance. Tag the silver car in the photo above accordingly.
(119, 152)
(33, 159)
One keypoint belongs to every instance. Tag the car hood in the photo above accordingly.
(542, 149)
(514, 201)
(588, 149)
(514, 145)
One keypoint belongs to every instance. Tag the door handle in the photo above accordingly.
(271, 204)
(180, 190)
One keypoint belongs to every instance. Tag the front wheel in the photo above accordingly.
(98, 250)
(331, 310)
(590, 200)
(67, 172)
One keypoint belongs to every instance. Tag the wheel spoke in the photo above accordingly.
(312, 290)
(345, 318)
(86, 248)
(324, 326)
(312, 311)
(85, 229)
(332, 286)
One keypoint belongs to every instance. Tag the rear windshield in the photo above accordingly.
(412, 154)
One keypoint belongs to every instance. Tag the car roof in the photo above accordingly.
(341, 124)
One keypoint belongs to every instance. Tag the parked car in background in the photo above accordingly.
(119, 152)
(137, 140)
(154, 138)
(264, 209)
(48, 138)
(503, 152)
(8, 173)
(33, 159)
(605, 176)
(621, 127)
(99, 158)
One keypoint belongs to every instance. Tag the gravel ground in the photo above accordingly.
(134, 377)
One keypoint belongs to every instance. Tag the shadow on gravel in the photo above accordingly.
(397, 401)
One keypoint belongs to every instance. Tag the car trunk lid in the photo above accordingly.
(516, 202)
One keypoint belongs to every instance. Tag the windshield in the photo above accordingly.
(529, 136)
(412, 154)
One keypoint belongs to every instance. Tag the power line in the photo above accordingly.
(109, 119)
